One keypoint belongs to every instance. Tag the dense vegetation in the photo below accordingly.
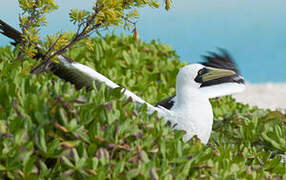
(49, 130)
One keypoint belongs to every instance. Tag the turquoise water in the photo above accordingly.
(253, 31)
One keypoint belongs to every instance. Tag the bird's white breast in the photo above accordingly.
(194, 117)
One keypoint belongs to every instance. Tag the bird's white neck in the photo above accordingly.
(188, 93)
(194, 113)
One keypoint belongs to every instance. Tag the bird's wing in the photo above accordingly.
(167, 103)
(78, 74)
(10, 32)
(83, 76)
(66, 70)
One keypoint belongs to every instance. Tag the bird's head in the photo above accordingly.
(194, 75)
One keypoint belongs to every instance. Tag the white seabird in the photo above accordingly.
(190, 110)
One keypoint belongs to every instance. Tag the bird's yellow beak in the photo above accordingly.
(215, 73)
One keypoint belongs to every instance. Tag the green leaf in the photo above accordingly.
(67, 162)
(143, 156)
(42, 141)
(2, 168)
(28, 163)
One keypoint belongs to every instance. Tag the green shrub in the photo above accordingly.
(49, 130)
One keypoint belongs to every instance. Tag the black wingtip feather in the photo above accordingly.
(59, 69)
(222, 61)
(10, 32)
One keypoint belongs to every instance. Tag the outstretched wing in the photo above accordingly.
(76, 73)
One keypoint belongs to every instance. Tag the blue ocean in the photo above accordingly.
(252, 31)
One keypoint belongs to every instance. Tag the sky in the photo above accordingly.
(252, 31)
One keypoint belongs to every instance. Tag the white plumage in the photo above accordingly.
(190, 110)
(102, 79)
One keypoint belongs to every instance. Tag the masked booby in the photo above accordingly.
(190, 110)
(195, 84)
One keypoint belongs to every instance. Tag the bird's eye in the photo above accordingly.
(202, 71)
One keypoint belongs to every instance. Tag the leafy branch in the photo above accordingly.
(104, 14)
(88, 27)
(32, 18)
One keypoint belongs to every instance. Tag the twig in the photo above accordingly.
(52, 46)
(131, 22)
(80, 35)
(31, 18)
(45, 61)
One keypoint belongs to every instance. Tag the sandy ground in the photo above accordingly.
(264, 95)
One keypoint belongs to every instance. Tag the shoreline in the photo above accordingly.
(264, 95)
